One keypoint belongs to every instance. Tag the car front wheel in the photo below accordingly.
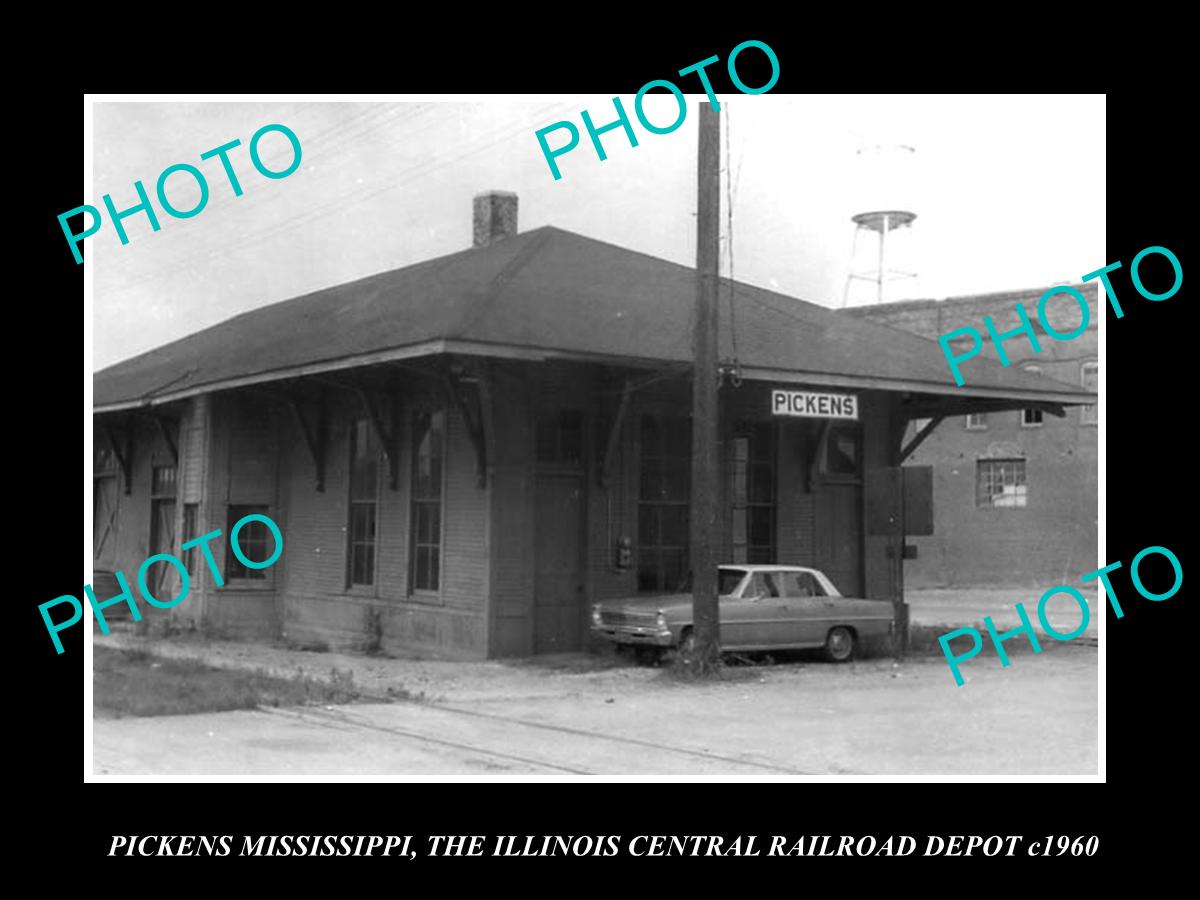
(839, 644)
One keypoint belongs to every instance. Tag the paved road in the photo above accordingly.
(1038, 716)
(968, 606)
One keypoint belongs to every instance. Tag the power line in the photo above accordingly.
(405, 176)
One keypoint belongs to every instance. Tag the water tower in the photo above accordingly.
(882, 187)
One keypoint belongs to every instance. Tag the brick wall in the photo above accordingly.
(1054, 537)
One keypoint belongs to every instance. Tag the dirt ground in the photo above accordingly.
(584, 715)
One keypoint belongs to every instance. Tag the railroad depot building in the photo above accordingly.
(463, 454)
(1014, 491)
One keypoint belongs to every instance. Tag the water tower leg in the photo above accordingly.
(853, 266)
(882, 258)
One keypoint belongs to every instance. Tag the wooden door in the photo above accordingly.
(559, 599)
(839, 536)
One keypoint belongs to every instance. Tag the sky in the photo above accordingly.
(1008, 191)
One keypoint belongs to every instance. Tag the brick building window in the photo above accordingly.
(666, 463)
(1000, 483)
(752, 484)
(429, 447)
(1090, 377)
(364, 498)
(254, 539)
(977, 422)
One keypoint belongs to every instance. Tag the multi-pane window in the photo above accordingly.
(663, 502)
(560, 437)
(364, 498)
(163, 578)
(429, 441)
(254, 539)
(1000, 483)
(162, 482)
(1090, 376)
(752, 482)
(976, 421)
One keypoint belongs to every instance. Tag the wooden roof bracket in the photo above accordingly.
(315, 437)
(167, 437)
(123, 450)
(919, 437)
(387, 439)
(614, 435)
(473, 421)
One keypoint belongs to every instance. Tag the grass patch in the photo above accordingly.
(137, 683)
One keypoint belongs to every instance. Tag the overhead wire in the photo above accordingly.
(404, 176)
(260, 201)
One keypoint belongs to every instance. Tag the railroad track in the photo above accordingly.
(343, 718)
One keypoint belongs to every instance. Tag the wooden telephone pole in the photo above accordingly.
(704, 484)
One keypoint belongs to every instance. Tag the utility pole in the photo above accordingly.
(704, 518)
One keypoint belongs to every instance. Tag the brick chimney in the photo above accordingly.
(495, 217)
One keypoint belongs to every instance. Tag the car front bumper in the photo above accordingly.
(638, 635)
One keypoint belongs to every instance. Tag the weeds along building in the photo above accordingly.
(1014, 491)
(465, 453)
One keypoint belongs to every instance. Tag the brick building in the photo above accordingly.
(456, 452)
(1015, 491)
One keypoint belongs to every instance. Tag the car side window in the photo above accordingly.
(813, 586)
(763, 585)
(802, 584)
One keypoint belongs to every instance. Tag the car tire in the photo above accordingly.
(839, 644)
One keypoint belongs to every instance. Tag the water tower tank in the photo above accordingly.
(882, 192)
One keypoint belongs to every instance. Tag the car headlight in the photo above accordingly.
(661, 621)
(596, 614)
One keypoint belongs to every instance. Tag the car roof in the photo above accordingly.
(756, 567)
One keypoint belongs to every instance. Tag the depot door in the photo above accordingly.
(559, 613)
(839, 536)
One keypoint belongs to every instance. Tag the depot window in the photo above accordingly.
(663, 502)
(429, 443)
(254, 540)
(364, 500)
(752, 488)
(1000, 483)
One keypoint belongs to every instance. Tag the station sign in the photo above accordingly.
(813, 405)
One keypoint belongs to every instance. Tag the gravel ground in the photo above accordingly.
(578, 715)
